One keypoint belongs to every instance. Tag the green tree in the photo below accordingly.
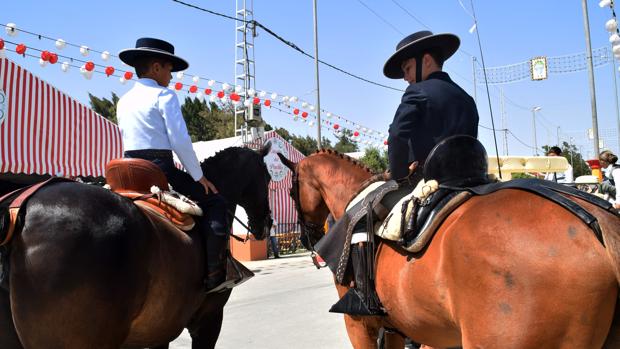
(345, 144)
(376, 160)
(105, 107)
(208, 121)
(570, 152)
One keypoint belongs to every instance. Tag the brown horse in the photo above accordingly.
(506, 270)
(89, 270)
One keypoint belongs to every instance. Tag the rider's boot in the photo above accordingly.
(362, 299)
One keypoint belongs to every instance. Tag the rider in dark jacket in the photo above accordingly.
(433, 106)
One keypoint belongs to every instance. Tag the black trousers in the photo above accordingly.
(215, 219)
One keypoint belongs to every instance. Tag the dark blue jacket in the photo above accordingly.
(430, 111)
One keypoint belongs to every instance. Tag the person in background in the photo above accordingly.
(611, 172)
(273, 240)
(565, 177)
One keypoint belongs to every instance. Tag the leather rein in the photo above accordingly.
(306, 227)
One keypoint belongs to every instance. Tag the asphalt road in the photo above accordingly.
(284, 306)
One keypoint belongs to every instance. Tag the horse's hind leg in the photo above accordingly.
(8, 335)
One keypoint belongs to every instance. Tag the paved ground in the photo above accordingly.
(284, 306)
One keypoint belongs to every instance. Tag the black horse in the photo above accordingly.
(89, 270)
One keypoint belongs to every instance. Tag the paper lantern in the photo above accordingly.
(262, 94)
(178, 86)
(105, 55)
(611, 25)
(220, 94)
(312, 108)
(238, 88)
(89, 66)
(193, 89)
(208, 91)
(122, 80)
(251, 92)
(329, 115)
(293, 99)
(180, 75)
(128, 75)
(356, 134)
(109, 70)
(385, 142)
(256, 100)
(296, 111)
(336, 126)
(53, 58)
(274, 95)
(304, 105)
(42, 62)
(1, 44)
(45, 55)
(20, 49)
(225, 86)
(196, 79)
(211, 82)
(304, 115)
(84, 50)
(11, 29)
(64, 66)
(235, 97)
(267, 103)
(60, 44)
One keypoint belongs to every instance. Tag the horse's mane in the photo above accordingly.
(225, 154)
(346, 157)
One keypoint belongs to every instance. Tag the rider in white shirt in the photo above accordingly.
(611, 170)
(152, 126)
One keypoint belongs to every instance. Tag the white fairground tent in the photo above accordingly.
(282, 206)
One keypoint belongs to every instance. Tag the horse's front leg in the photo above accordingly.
(206, 325)
(8, 335)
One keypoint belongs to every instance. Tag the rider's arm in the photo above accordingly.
(178, 136)
(401, 132)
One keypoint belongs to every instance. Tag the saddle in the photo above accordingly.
(144, 183)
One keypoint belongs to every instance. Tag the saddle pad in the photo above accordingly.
(369, 189)
(154, 206)
(390, 228)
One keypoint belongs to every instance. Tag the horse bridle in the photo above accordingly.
(306, 227)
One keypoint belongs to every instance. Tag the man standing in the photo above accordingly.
(152, 126)
(433, 106)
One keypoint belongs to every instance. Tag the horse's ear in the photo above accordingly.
(288, 163)
(265, 149)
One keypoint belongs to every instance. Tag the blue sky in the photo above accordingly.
(353, 38)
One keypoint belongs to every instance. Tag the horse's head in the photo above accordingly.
(241, 176)
(311, 208)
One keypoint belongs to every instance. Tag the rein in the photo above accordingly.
(306, 227)
(247, 235)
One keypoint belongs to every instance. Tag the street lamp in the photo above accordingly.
(534, 110)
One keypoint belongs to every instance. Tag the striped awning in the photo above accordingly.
(44, 131)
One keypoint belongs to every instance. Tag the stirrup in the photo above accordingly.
(352, 303)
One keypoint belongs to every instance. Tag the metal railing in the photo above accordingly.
(287, 235)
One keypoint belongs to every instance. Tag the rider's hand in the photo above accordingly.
(209, 187)
(617, 205)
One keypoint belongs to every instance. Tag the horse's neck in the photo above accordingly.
(338, 188)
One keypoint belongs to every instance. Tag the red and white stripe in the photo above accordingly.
(282, 205)
(47, 132)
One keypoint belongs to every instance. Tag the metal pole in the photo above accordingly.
(316, 67)
(473, 66)
(534, 130)
(586, 24)
(503, 114)
(613, 67)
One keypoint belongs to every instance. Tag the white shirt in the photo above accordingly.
(561, 177)
(612, 172)
(149, 117)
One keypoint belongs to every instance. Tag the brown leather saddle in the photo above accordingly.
(133, 179)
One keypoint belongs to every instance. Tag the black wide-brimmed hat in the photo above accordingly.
(415, 44)
(149, 47)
